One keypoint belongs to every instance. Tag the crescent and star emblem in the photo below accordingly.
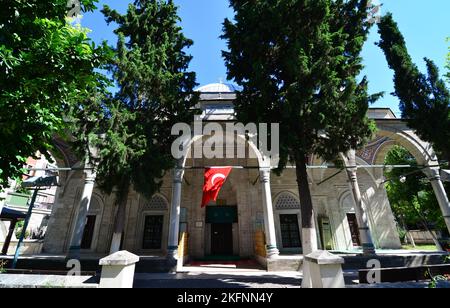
(217, 176)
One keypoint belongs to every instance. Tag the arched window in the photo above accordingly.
(154, 217)
(288, 207)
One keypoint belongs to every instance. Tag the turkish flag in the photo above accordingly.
(214, 180)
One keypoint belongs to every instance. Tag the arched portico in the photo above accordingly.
(76, 169)
(255, 161)
(398, 133)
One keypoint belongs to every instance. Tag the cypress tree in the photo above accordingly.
(424, 98)
(297, 62)
(155, 91)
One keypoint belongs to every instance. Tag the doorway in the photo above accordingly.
(290, 231)
(88, 233)
(354, 229)
(222, 239)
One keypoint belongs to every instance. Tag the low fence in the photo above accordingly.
(423, 237)
(29, 247)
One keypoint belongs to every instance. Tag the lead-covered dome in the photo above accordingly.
(218, 88)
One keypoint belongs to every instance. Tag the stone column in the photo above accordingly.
(433, 174)
(363, 223)
(269, 221)
(83, 209)
(174, 227)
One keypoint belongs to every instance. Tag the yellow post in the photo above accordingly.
(260, 244)
(183, 248)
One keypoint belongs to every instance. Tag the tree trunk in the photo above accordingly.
(309, 235)
(119, 224)
(408, 236)
(425, 225)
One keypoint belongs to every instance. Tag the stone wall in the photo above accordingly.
(332, 199)
(62, 217)
(29, 247)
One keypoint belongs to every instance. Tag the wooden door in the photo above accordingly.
(222, 239)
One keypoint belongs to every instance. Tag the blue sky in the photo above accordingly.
(425, 25)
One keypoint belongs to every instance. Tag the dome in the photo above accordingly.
(218, 88)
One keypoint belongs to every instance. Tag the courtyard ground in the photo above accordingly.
(198, 280)
(420, 247)
(219, 280)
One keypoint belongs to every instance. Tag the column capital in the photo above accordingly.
(349, 158)
(264, 174)
(90, 176)
(433, 173)
(351, 167)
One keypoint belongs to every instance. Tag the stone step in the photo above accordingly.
(284, 264)
(152, 265)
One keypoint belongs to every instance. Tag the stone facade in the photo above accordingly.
(331, 193)
(332, 201)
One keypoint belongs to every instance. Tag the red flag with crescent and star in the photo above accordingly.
(214, 180)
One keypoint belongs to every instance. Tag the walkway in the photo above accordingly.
(214, 280)
(46, 281)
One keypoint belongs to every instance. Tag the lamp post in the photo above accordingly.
(37, 183)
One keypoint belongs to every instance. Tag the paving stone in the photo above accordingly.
(45, 281)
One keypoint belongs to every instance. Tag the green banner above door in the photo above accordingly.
(221, 215)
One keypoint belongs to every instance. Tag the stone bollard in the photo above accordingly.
(118, 270)
(325, 270)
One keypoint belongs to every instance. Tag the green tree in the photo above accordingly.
(297, 63)
(448, 61)
(411, 196)
(424, 98)
(47, 67)
(410, 193)
(155, 91)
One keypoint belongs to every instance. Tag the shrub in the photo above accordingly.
(2, 266)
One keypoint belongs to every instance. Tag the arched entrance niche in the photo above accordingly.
(248, 187)
(399, 133)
